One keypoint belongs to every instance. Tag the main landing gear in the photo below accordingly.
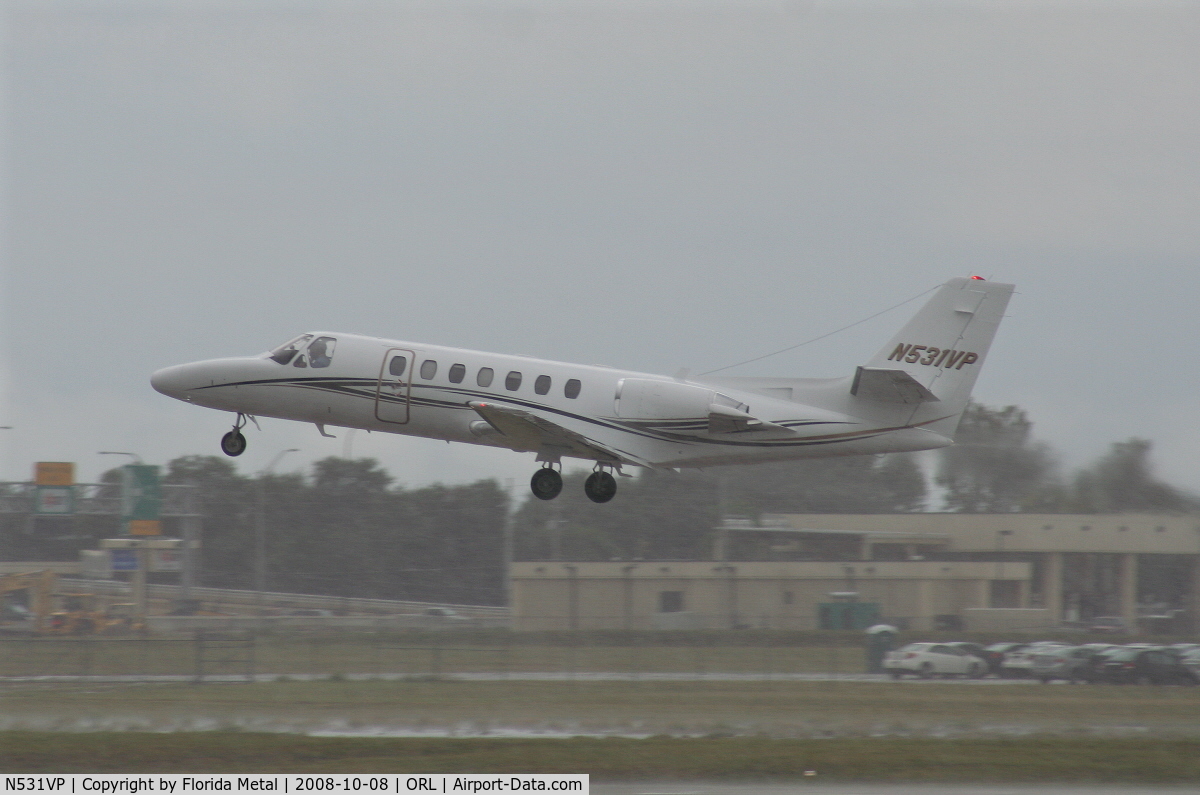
(234, 443)
(600, 486)
(547, 483)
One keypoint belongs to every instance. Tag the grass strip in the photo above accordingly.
(1024, 759)
(777, 709)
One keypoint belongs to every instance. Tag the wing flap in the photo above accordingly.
(724, 419)
(524, 430)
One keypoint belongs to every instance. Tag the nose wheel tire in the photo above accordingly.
(546, 484)
(233, 443)
(600, 487)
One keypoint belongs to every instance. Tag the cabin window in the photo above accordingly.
(397, 365)
(284, 353)
(320, 351)
(457, 373)
(512, 381)
(542, 385)
(486, 374)
(571, 389)
(428, 369)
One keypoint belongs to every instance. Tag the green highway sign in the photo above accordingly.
(141, 492)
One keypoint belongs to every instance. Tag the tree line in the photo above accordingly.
(346, 528)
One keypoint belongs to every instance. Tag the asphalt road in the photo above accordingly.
(519, 676)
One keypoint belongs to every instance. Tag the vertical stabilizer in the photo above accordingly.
(941, 349)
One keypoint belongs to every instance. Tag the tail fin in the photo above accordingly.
(935, 359)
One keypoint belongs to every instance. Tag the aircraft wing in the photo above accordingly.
(524, 430)
(723, 419)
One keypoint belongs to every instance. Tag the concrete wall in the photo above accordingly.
(1006, 620)
(768, 595)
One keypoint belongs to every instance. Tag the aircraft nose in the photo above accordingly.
(173, 381)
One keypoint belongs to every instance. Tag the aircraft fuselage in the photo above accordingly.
(908, 397)
(356, 390)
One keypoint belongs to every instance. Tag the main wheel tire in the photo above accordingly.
(233, 443)
(976, 671)
(600, 487)
(925, 671)
(546, 484)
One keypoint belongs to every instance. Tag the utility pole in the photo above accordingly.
(260, 531)
(510, 521)
(191, 537)
(721, 542)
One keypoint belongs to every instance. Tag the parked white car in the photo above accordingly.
(1019, 663)
(927, 660)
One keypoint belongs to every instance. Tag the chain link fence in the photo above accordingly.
(251, 655)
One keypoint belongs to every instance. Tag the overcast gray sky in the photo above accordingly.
(651, 185)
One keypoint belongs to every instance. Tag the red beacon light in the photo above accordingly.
(979, 278)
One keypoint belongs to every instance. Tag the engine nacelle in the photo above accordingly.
(643, 398)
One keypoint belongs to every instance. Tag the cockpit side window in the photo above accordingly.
(284, 353)
(320, 351)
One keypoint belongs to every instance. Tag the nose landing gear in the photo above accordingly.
(234, 443)
(546, 483)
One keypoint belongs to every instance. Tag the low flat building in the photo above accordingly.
(745, 594)
(923, 571)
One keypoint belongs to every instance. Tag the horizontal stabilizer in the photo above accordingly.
(892, 386)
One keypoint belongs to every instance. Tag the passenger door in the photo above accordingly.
(393, 391)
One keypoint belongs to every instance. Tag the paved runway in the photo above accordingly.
(525, 676)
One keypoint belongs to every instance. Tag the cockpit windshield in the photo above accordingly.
(286, 352)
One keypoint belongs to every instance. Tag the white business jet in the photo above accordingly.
(910, 396)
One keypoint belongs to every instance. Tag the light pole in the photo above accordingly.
(138, 582)
(260, 528)
(136, 458)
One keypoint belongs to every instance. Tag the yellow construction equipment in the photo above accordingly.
(28, 606)
(25, 601)
(78, 614)
(85, 614)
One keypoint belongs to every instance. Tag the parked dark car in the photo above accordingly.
(1141, 666)
(1190, 658)
(995, 655)
(1105, 624)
